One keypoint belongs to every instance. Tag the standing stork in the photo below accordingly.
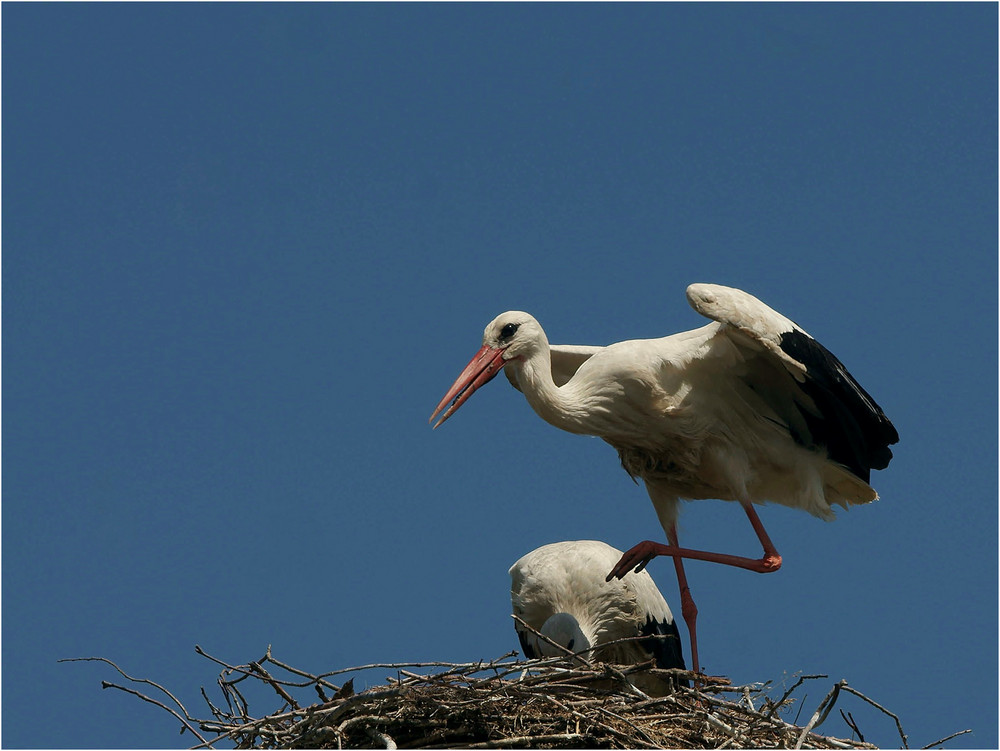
(561, 591)
(749, 408)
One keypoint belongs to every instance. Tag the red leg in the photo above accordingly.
(772, 559)
(688, 609)
(639, 555)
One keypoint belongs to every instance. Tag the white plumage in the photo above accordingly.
(749, 408)
(560, 590)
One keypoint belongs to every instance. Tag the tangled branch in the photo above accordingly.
(558, 702)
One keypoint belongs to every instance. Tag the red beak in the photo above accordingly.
(480, 370)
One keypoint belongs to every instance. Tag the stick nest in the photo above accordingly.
(505, 703)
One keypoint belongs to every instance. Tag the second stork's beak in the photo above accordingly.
(480, 370)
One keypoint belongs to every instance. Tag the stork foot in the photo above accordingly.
(770, 563)
(636, 558)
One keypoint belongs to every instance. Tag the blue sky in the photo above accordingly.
(247, 248)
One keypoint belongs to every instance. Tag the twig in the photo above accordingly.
(628, 722)
(560, 647)
(775, 707)
(946, 738)
(232, 693)
(530, 741)
(203, 653)
(160, 704)
(821, 711)
(257, 668)
(556, 701)
(878, 706)
(613, 672)
(212, 708)
(319, 681)
(154, 684)
(383, 738)
(395, 665)
(125, 675)
(715, 721)
(849, 719)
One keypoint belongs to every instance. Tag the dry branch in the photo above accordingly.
(504, 703)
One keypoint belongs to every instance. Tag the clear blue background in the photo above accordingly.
(246, 249)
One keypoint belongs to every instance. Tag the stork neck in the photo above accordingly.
(552, 403)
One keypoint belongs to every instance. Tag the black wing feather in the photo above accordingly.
(850, 424)
(526, 647)
(666, 652)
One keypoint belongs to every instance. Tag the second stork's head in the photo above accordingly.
(566, 631)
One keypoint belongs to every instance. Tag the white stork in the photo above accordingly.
(749, 408)
(560, 590)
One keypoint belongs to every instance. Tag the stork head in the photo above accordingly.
(513, 335)
(565, 630)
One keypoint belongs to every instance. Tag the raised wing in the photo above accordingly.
(834, 410)
(566, 360)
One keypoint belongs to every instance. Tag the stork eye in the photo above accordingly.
(509, 330)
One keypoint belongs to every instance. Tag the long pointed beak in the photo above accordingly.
(481, 370)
